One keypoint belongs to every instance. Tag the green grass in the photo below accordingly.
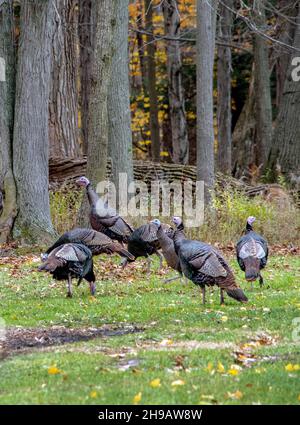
(179, 337)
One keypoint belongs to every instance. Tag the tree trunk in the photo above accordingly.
(263, 110)
(119, 114)
(104, 24)
(224, 90)
(284, 156)
(176, 94)
(243, 145)
(85, 39)
(63, 107)
(7, 90)
(151, 72)
(30, 141)
(206, 15)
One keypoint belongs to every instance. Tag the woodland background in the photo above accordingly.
(202, 83)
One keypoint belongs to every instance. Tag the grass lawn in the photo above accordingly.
(159, 344)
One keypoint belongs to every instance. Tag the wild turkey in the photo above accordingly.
(204, 265)
(143, 242)
(68, 261)
(97, 242)
(168, 249)
(103, 218)
(252, 253)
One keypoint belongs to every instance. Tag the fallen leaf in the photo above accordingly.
(155, 383)
(137, 398)
(53, 370)
(220, 368)
(93, 394)
(178, 383)
(236, 396)
(233, 372)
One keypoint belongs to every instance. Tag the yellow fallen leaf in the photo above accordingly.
(237, 395)
(292, 368)
(53, 370)
(155, 383)
(220, 368)
(224, 318)
(137, 398)
(177, 383)
(93, 394)
(299, 397)
(165, 342)
(233, 372)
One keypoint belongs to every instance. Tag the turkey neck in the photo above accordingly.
(179, 236)
(92, 195)
(249, 228)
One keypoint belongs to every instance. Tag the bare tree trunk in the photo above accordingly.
(224, 90)
(243, 138)
(285, 152)
(104, 24)
(30, 142)
(63, 107)
(206, 15)
(175, 88)
(7, 89)
(119, 114)
(263, 110)
(85, 39)
(151, 72)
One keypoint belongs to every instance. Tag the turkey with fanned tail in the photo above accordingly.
(204, 265)
(68, 261)
(252, 253)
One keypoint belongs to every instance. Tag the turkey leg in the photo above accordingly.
(69, 286)
(222, 296)
(203, 295)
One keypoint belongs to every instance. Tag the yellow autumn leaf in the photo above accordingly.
(53, 370)
(292, 368)
(137, 398)
(220, 368)
(237, 395)
(299, 397)
(178, 383)
(233, 372)
(155, 383)
(93, 394)
(224, 318)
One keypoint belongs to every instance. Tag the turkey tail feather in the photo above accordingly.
(237, 294)
(251, 268)
(124, 253)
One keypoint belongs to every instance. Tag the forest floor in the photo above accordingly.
(142, 341)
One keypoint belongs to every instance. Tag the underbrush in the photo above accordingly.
(223, 223)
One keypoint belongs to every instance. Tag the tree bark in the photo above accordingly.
(206, 15)
(243, 145)
(175, 89)
(7, 89)
(30, 141)
(151, 73)
(263, 110)
(85, 40)
(119, 114)
(104, 24)
(284, 156)
(224, 90)
(63, 107)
